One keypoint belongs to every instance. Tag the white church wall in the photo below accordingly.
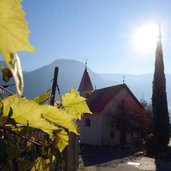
(91, 134)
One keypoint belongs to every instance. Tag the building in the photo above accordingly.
(112, 108)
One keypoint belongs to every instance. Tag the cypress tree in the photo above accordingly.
(159, 101)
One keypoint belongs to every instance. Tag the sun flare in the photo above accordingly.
(145, 37)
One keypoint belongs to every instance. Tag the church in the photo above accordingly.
(113, 109)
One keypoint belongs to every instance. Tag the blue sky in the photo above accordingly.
(100, 31)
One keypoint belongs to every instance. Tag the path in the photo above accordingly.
(97, 158)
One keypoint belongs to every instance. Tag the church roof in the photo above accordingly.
(85, 84)
(101, 97)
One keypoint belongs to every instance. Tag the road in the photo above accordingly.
(99, 158)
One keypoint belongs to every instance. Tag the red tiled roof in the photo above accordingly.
(85, 84)
(100, 98)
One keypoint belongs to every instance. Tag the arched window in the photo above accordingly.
(87, 122)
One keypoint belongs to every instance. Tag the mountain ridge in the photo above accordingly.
(70, 74)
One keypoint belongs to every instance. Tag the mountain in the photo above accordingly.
(70, 74)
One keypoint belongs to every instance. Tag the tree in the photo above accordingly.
(147, 106)
(149, 112)
(159, 101)
(130, 117)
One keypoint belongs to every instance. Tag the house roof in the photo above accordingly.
(101, 97)
(85, 84)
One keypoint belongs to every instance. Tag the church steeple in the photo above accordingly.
(85, 87)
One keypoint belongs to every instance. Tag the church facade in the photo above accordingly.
(113, 111)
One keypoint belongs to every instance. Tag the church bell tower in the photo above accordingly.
(85, 87)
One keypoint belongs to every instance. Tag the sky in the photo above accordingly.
(99, 31)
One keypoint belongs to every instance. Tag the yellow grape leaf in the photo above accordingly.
(59, 117)
(27, 111)
(62, 140)
(48, 118)
(13, 29)
(75, 104)
(14, 37)
(38, 116)
(41, 164)
(42, 98)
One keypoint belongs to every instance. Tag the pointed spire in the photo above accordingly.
(85, 84)
(86, 64)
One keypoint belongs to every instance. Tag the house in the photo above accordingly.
(108, 125)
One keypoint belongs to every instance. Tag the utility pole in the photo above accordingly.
(52, 100)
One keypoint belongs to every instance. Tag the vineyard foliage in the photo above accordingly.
(45, 117)
(42, 124)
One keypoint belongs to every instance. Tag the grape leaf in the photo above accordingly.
(14, 37)
(38, 116)
(59, 117)
(13, 29)
(75, 104)
(42, 98)
(62, 140)
(41, 164)
(27, 111)
(48, 118)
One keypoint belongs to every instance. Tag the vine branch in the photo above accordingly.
(21, 136)
(8, 91)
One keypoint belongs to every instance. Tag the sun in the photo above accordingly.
(145, 37)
